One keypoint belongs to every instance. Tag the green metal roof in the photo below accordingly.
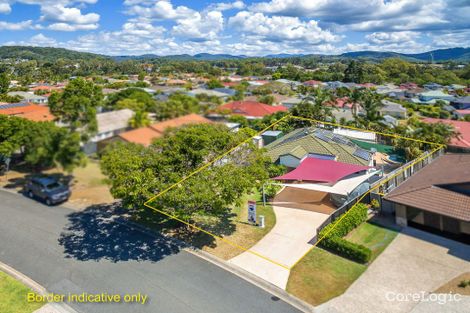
(300, 142)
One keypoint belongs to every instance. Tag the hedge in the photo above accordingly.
(347, 249)
(334, 232)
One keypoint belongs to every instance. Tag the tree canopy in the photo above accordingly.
(76, 106)
(137, 173)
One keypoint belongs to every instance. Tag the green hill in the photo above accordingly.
(45, 54)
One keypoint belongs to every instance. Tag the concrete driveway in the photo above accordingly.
(286, 243)
(413, 263)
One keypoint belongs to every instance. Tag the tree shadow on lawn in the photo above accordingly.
(221, 227)
(99, 233)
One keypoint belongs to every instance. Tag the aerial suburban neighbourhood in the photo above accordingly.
(248, 156)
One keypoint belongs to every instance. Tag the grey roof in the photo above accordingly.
(390, 106)
(114, 120)
(26, 95)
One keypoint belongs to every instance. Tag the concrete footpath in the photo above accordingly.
(285, 244)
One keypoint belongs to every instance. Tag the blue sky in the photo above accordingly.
(261, 27)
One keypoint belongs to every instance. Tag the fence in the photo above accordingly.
(386, 184)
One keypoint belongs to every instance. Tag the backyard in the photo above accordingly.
(322, 275)
(13, 296)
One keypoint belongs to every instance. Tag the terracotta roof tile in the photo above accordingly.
(251, 108)
(433, 187)
(146, 135)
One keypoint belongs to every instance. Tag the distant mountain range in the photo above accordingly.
(49, 54)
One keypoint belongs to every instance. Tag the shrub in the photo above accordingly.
(347, 249)
(334, 232)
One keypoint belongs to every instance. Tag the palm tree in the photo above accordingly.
(314, 106)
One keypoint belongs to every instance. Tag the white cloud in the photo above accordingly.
(60, 13)
(5, 7)
(375, 15)
(38, 40)
(201, 26)
(16, 26)
(281, 28)
(160, 10)
(71, 27)
(392, 37)
(224, 6)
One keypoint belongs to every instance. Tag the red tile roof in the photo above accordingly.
(463, 112)
(312, 83)
(463, 128)
(146, 135)
(33, 112)
(250, 108)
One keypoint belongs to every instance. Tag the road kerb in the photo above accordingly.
(36, 287)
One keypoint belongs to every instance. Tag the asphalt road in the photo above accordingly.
(76, 252)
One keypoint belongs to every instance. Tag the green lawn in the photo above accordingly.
(13, 296)
(321, 275)
(373, 236)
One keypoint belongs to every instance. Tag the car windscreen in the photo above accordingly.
(53, 186)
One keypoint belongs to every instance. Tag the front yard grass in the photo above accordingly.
(87, 183)
(321, 275)
(13, 295)
(373, 236)
(232, 227)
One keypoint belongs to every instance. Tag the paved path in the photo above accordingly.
(286, 243)
(88, 251)
(414, 262)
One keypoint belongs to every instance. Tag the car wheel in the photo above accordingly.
(48, 201)
(30, 194)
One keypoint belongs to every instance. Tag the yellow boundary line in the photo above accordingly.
(201, 168)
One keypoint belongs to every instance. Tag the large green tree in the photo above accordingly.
(314, 106)
(137, 173)
(41, 144)
(4, 83)
(76, 106)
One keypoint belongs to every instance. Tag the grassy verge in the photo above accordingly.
(321, 275)
(13, 296)
(232, 227)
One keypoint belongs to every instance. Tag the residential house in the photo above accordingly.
(393, 109)
(432, 86)
(30, 111)
(436, 198)
(228, 91)
(336, 85)
(29, 97)
(209, 92)
(294, 147)
(462, 140)
(248, 109)
(435, 95)
(290, 102)
(110, 124)
(312, 83)
(462, 103)
(146, 135)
